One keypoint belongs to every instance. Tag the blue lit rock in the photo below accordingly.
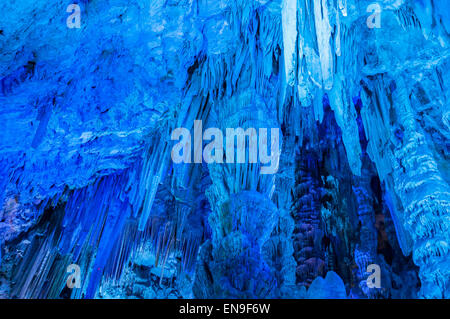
(332, 287)
(85, 151)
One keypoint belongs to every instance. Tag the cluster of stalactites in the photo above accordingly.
(332, 48)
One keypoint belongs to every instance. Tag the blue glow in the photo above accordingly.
(91, 91)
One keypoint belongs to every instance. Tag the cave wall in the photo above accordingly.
(358, 91)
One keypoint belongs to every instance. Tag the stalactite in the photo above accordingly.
(88, 177)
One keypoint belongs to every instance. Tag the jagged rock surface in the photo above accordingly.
(85, 153)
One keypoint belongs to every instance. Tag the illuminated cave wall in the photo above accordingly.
(358, 89)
